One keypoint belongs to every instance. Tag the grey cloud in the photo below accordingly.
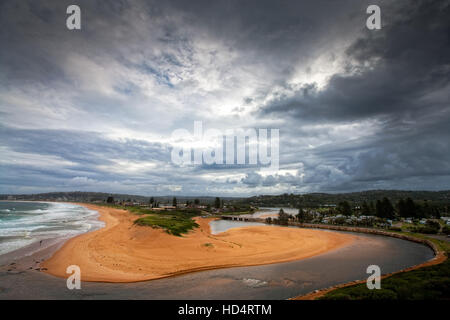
(394, 81)
(390, 71)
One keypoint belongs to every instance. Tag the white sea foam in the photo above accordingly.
(31, 222)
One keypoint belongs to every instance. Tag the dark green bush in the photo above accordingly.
(446, 230)
(425, 229)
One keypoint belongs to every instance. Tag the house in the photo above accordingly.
(168, 207)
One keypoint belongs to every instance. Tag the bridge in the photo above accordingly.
(241, 218)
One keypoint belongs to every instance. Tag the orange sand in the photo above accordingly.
(124, 252)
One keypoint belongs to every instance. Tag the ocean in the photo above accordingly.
(24, 223)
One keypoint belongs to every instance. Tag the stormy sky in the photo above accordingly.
(94, 109)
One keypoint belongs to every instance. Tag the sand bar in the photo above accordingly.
(124, 252)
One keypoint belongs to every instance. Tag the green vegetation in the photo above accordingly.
(424, 229)
(344, 208)
(283, 218)
(431, 227)
(303, 216)
(384, 209)
(175, 222)
(236, 210)
(425, 283)
(427, 203)
(446, 230)
(217, 203)
(172, 223)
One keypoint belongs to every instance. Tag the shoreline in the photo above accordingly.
(439, 257)
(325, 270)
(124, 252)
(32, 255)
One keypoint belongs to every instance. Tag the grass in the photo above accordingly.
(430, 283)
(175, 222)
(208, 244)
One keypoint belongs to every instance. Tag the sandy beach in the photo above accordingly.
(124, 252)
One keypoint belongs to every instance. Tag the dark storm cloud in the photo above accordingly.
(399, 77)
(278, 33)
(72, 158)
(388, 71)
(378, 118)
(80, 147)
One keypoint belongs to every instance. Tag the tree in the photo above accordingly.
(217, 203)
(196, 202)
(384, 209)
(436, 213)
(304, 216)
(372, 208)
(379, 209)
(301, 216)
(344, 208)
(410, 208)
(110, 200)
(402, 209)
(283, 218)
(388, 208)
(365, 209)
(174, 202)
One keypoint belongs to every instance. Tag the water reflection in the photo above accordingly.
(218, 226)
(265, 212)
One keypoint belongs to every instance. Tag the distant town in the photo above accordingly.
(414, 211)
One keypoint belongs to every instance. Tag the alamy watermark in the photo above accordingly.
(74, 280)
(374, 280)
(73, 21)
(253, 147)
(373, 22)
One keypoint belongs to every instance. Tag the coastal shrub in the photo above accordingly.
(362, 292)
(192, 211)
(340, 296)
(446, 230)
(433, 224)
(425, 229)
(428, 283)
(173, 224)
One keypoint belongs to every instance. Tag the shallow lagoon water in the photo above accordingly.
(274, 281)
(218, 226)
